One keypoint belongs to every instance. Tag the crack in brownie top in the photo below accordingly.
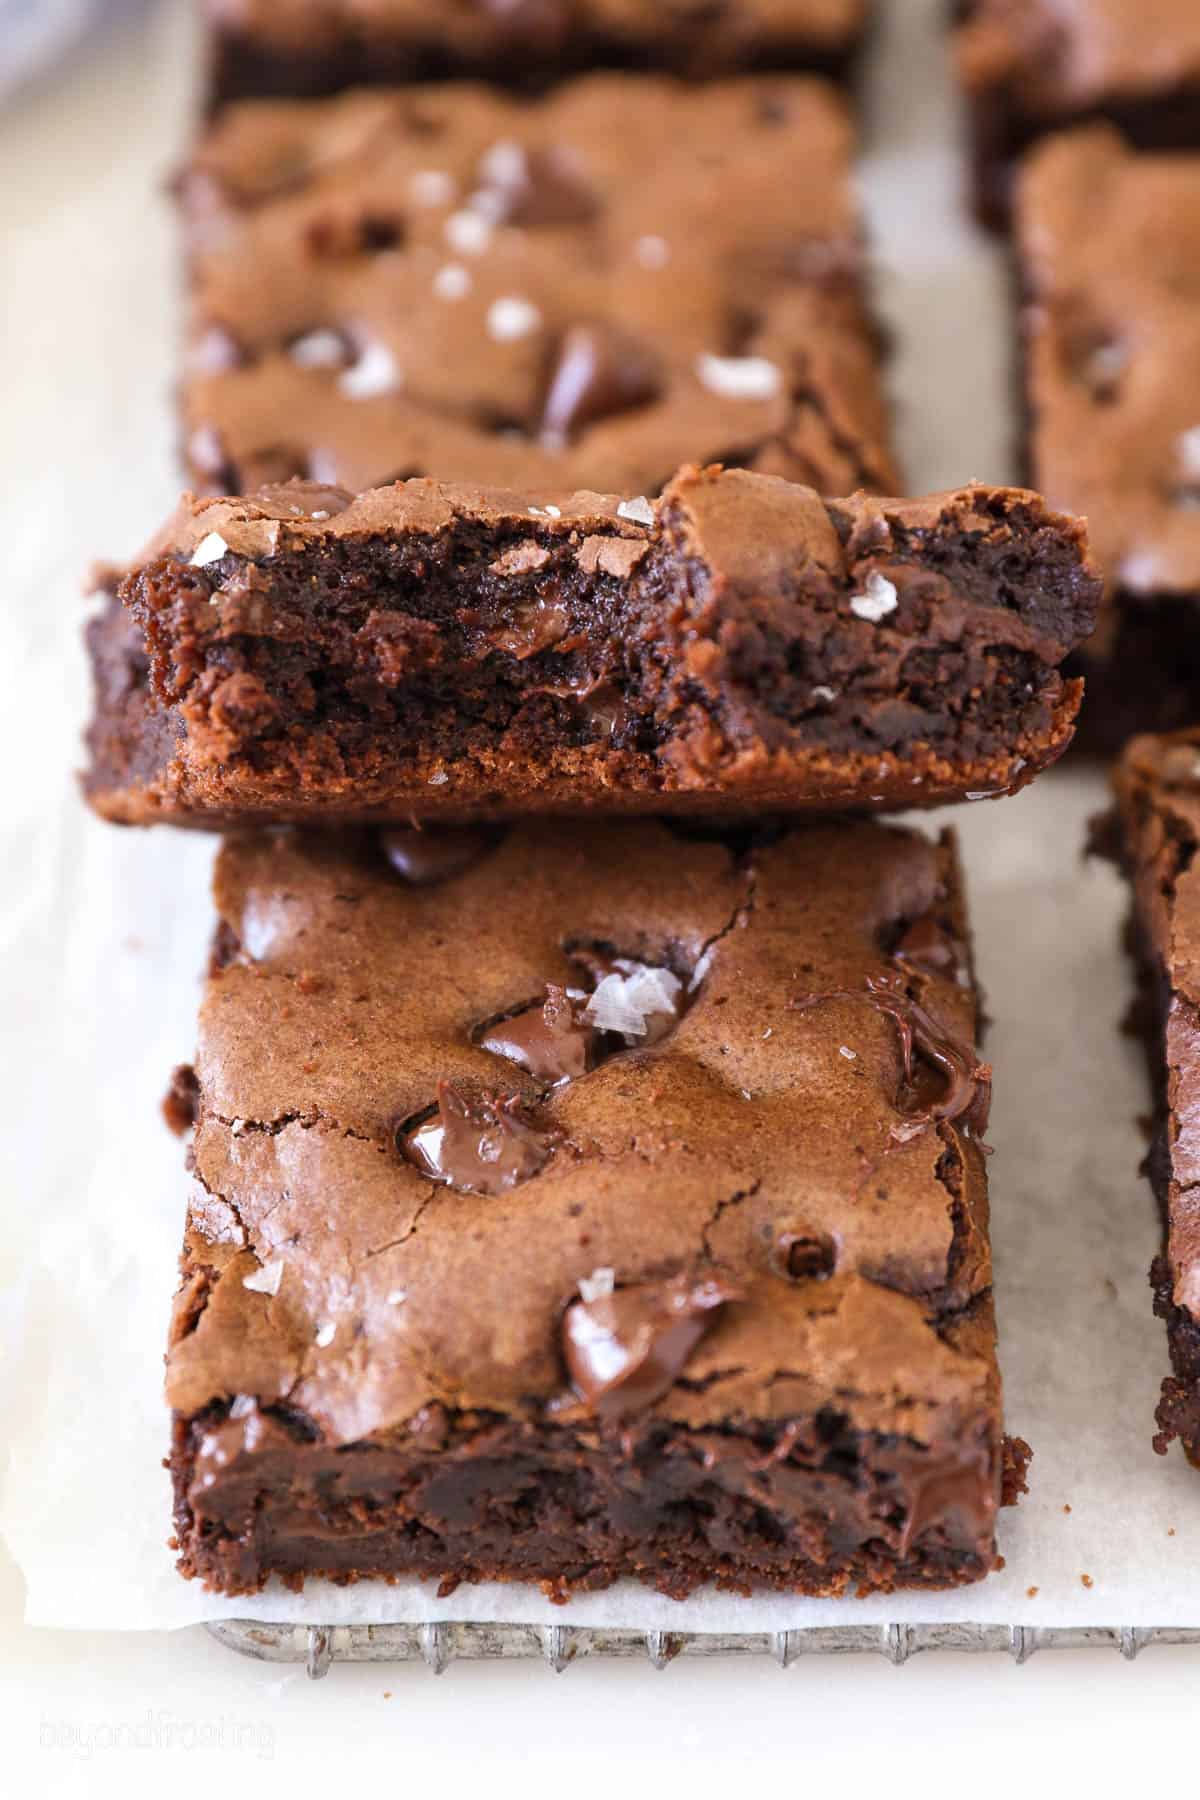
(447, 281)
(737, 1176)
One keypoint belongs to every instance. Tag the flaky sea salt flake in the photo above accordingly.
(452, 282)
(739, 377)
(318, 350)
(468, 232)
(598, 1285)
(432, 187)
(877, 600)
(210, 549)
(638, 511)
(627, 998)
(265, 1280)
(510, 318)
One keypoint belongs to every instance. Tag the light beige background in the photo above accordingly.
(103, 932)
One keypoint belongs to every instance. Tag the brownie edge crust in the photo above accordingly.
(611, 1202)
(300, 47)
(1157, 785)
(429, 651)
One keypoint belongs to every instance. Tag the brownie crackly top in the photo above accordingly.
(472, 1111)
(583, 291)
(1110, 246)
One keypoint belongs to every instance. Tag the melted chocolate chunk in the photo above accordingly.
(928, 948)
(961, 1087)
(245, 1430)
(437, 853)
(624, 1350)
(551, 1039)
(536, 187)
(943, 1079)
(485, 1146)
(958, 1484)
(538, 626)
(597, 371)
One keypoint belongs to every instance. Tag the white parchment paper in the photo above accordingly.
(104, 933)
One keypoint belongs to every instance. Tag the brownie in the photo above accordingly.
(1157, 784)
(741, 645)
(584, 291)
(583, 1201)
(1033, 66)
(310, 47)
(1110, 260)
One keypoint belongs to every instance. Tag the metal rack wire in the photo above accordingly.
(319, 1646)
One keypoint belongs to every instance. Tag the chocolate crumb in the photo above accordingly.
(181, 1099)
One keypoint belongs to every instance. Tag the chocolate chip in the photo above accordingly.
(941, 1076)
(534, 187)
(484, 1146)
(437, 853)
(360, 234)
(625, 1349)
(597, 372)
(1096, 355)
(804, 1256)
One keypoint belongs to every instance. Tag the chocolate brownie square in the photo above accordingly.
(584, 291)
(1033, 66)
(741, 645)
(1158, 799)
(309, 47)
(1109, 244)
(589, 1201)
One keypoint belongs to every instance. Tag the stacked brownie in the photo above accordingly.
(587, 1122)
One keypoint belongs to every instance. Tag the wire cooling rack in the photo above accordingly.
(318, 1646)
